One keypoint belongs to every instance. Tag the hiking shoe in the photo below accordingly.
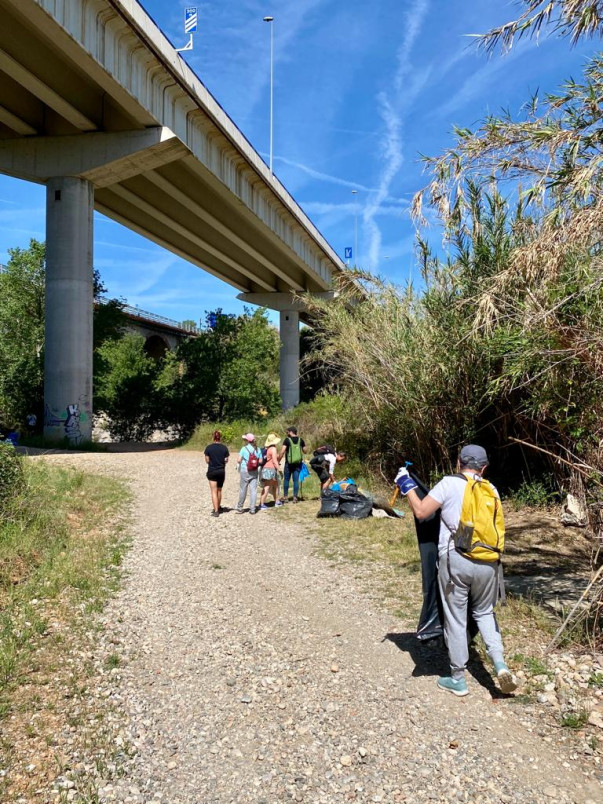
(239, 510)
(215, 513)
(506, 680)
(294, 499)
(251, 512)
(455, 686)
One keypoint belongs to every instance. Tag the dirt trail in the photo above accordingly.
(255, 672)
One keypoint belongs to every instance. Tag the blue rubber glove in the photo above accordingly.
(404, 481)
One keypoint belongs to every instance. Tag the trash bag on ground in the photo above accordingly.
(329, 503)
(354, 505)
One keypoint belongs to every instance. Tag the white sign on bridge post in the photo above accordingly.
(190, 27)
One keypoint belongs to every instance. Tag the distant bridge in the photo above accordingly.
(161, 334)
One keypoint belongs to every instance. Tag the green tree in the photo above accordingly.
(22, 334)
(228, 370)
(248, 384)
(22, 289)
(126, 390)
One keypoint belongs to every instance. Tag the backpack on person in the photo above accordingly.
(326, 449)
(253, 462)
(481, 531)
(294, 451)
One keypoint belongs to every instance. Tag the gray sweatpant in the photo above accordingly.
(481, 580)
(249, 480)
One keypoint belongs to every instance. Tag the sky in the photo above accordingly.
(361, 90)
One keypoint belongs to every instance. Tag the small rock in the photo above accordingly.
(334, 668)
(346, 761)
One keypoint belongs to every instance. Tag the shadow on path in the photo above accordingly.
(431, 659)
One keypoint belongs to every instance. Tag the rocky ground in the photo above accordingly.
(236, 665)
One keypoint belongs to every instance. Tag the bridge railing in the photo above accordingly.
(146, 315)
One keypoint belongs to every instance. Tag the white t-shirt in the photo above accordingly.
(330, 461)
(449, 492)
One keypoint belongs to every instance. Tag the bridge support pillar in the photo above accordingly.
(69, 305)
(289, 358)
(289, 307)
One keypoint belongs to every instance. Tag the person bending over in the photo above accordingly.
(324, 466)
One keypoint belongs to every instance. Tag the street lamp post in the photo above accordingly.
(355, 193)
(271, 20)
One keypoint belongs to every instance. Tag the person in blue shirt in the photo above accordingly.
(248, 467)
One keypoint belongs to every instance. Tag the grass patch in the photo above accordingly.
(574, 720)
(62, 540)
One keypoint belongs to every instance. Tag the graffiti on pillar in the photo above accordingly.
(68, 419)
(72, 425)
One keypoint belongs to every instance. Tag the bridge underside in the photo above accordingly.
(96, 105)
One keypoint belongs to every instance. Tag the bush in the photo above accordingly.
(11, 474)
(538, 493)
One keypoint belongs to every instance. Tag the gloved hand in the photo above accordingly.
(404, 481)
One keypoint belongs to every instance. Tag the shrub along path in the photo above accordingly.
(252, 670)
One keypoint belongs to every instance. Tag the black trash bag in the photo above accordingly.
(431, 618)
(355, 505)
(329, 503)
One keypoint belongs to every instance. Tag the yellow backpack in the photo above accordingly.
(481, 531)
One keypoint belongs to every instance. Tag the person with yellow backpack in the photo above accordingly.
(471, 543)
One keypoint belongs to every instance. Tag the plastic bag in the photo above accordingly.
(354, 505)
(329, 503)
(304, 472)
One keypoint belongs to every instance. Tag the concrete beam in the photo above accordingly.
(283, 301)
(15, 123)
(168, 188)
(155, 214)
(101, 158)
(43, 92)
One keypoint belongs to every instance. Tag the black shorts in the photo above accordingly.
(217, 477)
(322, 473)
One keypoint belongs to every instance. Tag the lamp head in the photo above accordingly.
(268, 19)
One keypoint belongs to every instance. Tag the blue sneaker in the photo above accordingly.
(278, 503)
(506, 680)
(263, 507)
(455, 686)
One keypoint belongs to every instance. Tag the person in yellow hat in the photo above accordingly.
(269, 472)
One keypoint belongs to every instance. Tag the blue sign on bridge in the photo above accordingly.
(190, 20)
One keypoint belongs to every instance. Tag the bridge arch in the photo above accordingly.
(156, 347)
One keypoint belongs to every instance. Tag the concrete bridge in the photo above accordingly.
(97, 105)
(161, 334)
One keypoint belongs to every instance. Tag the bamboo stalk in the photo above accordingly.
(563, 625)
(557, 458)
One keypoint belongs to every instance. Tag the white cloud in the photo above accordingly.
(407, 84)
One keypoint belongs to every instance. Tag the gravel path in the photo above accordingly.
(255, 672)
